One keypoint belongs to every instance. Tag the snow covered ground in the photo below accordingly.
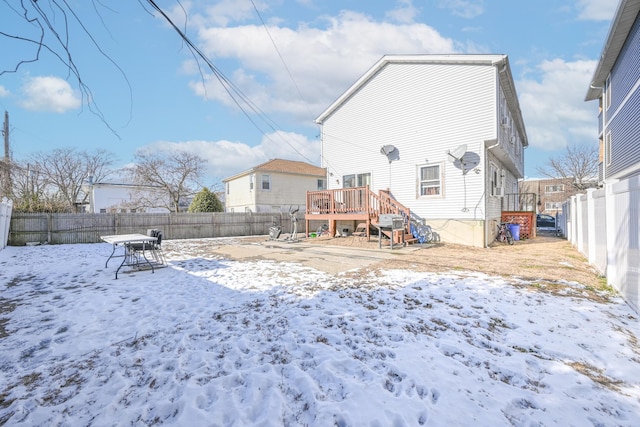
(213, 342)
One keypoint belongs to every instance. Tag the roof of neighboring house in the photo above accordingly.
(499, 61)
(620, 26)
(283, 166)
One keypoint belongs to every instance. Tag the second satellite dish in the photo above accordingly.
(457, 153)
(463, 159)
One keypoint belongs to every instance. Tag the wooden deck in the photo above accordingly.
(358, 204)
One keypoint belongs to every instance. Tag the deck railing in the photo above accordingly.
(358, 203)
(356, 200)
(340, 201)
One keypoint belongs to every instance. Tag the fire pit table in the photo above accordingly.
(390, 224)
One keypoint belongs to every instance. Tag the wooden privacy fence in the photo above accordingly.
(58, 228)
(6, 206)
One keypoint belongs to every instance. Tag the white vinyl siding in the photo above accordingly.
(239, 195)
(284, 191)
(423, 110)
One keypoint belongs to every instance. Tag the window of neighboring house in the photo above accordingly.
(356, 180)
(266, 182)
(430, 180)
(103, 210)
(607, 149)
(552, 206)
(321, 185)
(607, 93)
(227, 188)
(559, 188)
(133, 211)
(250, 182)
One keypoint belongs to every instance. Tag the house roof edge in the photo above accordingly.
(472, 59)
(621, 25)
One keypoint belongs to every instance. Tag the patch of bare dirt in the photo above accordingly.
(546, 258)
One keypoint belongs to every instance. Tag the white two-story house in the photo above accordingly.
(274, 186)
(441, 135)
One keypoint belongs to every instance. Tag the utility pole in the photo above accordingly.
(6, 175)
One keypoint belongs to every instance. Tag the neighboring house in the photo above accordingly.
(616, 85)
(605, 224)
(275, 186)
(550, 193)
(443, 135)
(110, 197)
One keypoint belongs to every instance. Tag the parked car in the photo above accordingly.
(545, 221)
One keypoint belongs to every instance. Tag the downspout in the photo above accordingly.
(486, 168)
(501, 66)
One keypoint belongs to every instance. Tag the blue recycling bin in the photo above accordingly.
(515, 231)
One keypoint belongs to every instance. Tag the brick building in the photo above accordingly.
(550, 193)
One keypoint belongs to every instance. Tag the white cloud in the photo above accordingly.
(227, 158)
(596, 10)
(226, 11)
(49, 94)
(350, 42)
(4, 92)
(404, 13)
(464, 8)
(553, 106)
(552, 102)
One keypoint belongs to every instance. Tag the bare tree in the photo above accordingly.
(578, 165)
(33, 191)
(175, 173)
(64, 170)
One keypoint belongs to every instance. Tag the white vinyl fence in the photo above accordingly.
(6, 206)
(604, 226)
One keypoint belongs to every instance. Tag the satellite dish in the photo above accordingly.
(391, 152)
(457, 153)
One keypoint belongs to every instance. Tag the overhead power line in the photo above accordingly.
(236, 95)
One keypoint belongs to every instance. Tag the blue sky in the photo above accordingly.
(151, 93)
